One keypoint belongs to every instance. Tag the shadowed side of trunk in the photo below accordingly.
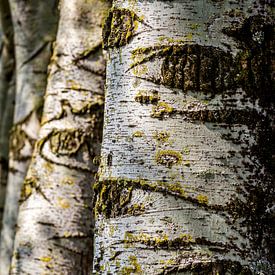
(7, 90)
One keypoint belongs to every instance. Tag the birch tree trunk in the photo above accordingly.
(55, 225)
(185, 177)
(7, 90)
(35, 24)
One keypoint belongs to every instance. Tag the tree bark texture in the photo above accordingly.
(55, 225)
(185, 182)
(7, 89)
(35, 24)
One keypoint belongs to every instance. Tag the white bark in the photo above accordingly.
(55, 225)
(35, 25)
(185, 185)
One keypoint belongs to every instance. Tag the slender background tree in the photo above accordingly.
(185, 184)
(7, 89)
(34, 24)
(55, 225)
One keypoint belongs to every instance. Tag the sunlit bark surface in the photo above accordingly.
(185, 180)
(35, 24)
(55, 225)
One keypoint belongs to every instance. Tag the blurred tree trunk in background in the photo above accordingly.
(55, 224)
(185, 184)
(35, 24)
(7, 89)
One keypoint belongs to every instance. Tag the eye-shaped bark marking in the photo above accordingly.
(211, 70)
(119, 27)
(68, 147)
(66, 142)
(189, 67)
(168, 158)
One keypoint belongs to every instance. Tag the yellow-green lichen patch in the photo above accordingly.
(27, 188)
(159, 241)
(112, 229)
(67, 181)
(174, 188)
(168, 263)
(168, 158)
(147, 97)
(138, 134)
(48, 167)
(140, 70)
(133, 268)
(63, 203)
(162, 110)
(161, 136)
(67, 234)
(119, 27)
(45, 259)
(194, 26)
(136, 209)
(189, 36)
(202, 199)
(186, 150)
(72, 84)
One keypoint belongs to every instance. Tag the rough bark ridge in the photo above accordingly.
(55, 225)
(7, 89)
(35, 24)
(185, 179)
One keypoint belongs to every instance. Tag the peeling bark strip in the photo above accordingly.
(7, 89)
(185, 183)
(34, 24)
(55, 225)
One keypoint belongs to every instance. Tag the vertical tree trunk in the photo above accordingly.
(35, 24)
(55, 225)
(185, 179)
(7, 90)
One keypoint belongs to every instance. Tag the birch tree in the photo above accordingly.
(55, 225)
(185, 178)
(6, 95)
(34, 25)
